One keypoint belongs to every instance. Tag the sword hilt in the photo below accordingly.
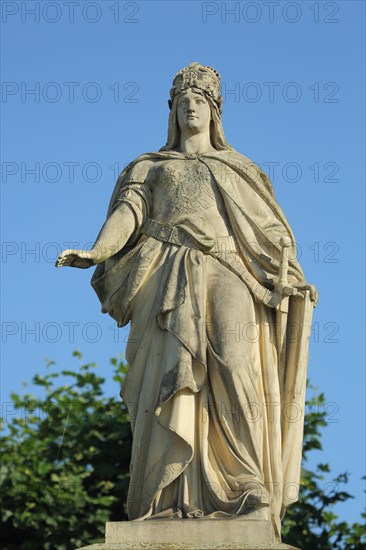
(285, 243)
(282, 285)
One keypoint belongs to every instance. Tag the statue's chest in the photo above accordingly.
(185, 186)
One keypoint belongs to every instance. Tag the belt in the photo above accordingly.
(218, 248)
(180, 236)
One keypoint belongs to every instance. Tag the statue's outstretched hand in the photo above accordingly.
(76, 258)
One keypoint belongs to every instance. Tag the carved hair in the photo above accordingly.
(217, 136)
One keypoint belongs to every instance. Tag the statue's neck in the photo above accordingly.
(195, 144)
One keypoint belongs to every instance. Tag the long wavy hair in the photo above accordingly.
(217, 136)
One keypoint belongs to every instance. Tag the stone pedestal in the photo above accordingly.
(190, 534)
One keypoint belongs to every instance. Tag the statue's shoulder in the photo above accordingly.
(244, 166)
(232, 156)
(138, 170)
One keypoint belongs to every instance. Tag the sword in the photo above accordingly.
(285, 290)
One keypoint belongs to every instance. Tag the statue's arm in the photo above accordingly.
(112, 237)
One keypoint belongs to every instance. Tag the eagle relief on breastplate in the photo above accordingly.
(186, 186)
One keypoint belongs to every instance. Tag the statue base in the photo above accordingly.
(190, 534)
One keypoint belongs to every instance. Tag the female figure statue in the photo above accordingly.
(191, 255)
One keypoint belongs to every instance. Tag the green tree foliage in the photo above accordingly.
(65, 460)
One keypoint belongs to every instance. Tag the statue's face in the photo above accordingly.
(194, 113)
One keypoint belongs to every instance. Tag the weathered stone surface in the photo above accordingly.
(209, 534)
(182, 546)
(190, 531)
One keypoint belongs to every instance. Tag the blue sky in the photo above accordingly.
(293, 88)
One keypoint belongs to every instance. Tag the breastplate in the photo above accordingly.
(185, 187)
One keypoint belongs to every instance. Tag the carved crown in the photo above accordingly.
(198, 76)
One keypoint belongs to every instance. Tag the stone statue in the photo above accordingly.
(199, 257)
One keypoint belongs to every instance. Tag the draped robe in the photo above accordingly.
(217, 430)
